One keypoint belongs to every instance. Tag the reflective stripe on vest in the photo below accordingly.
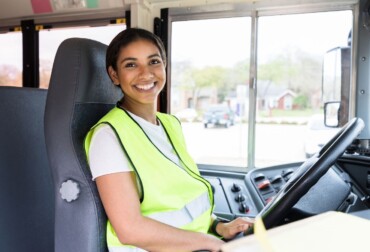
(186, 215)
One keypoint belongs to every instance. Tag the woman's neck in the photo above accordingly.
(147, 112)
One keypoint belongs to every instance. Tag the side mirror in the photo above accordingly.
(331, 114)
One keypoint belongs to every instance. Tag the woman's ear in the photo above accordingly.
(113, 75)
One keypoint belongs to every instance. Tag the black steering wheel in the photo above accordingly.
(309, 173)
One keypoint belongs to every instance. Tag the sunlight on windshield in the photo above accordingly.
(212, 68)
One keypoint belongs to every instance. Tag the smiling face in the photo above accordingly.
(140, 73)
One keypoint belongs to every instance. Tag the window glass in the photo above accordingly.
(50, 40)
(291, 51)
(209, 87)
(11, 59)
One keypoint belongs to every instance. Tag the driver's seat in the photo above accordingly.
(80, 93)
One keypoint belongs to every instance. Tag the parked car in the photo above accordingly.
(219, 115)
(317, 135)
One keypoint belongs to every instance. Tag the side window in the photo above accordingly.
(11, 59)
(290, 123)
(50, 40)
(209, 87)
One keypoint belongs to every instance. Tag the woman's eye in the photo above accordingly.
(129, 65)
(155, 61)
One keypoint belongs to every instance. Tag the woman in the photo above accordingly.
(151, 189)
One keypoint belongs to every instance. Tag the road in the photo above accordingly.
(275, 144)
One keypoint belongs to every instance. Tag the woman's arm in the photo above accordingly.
(119, 195)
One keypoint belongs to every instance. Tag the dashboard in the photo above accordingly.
(238, 195)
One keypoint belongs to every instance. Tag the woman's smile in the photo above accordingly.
(144, 87)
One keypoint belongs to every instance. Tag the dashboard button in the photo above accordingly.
(264, 184)
(240, 197)
(235, 188)
(276, 179)
(259, 176)
(243, 208)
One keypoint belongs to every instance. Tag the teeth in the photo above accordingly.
(145, 87)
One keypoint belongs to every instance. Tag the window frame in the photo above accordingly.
(30, 31)
(256, 10)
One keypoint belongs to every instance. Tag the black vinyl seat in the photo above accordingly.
(80, 93)
(26, 187)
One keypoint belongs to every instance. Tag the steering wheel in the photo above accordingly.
(309, 173)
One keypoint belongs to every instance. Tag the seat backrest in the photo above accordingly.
(26, 187)
(80, 93)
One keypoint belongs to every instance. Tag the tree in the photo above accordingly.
(301, 101)
(214, 76)
(296, 70)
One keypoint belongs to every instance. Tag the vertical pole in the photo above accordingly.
(31, 75)
(252, 93)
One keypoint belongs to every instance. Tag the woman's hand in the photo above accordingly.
(230, 229)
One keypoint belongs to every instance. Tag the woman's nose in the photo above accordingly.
(145, 73)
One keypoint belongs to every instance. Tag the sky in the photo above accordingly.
(200, 41)
(213, 42)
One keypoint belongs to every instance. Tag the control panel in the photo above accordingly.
(232, 197)
(246, 195)
(268, 183)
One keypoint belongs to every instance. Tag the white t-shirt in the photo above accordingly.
(106, 155)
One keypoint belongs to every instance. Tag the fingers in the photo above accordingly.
(236, 226)
(241, 228)
(247, 219)
(231, 231)
(243, 221)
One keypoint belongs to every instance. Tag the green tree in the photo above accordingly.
(214, 76)
(238, 74)
(301, 101)
(295, 69)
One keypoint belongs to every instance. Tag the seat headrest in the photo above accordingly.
(79, 73)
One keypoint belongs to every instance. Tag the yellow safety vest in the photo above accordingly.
(172, 195)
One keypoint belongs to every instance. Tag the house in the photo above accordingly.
(271, 96)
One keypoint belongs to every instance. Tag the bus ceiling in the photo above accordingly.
(142, 11)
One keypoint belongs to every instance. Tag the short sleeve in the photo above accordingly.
(105, 154)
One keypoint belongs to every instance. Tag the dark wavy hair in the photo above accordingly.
(126, 37)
